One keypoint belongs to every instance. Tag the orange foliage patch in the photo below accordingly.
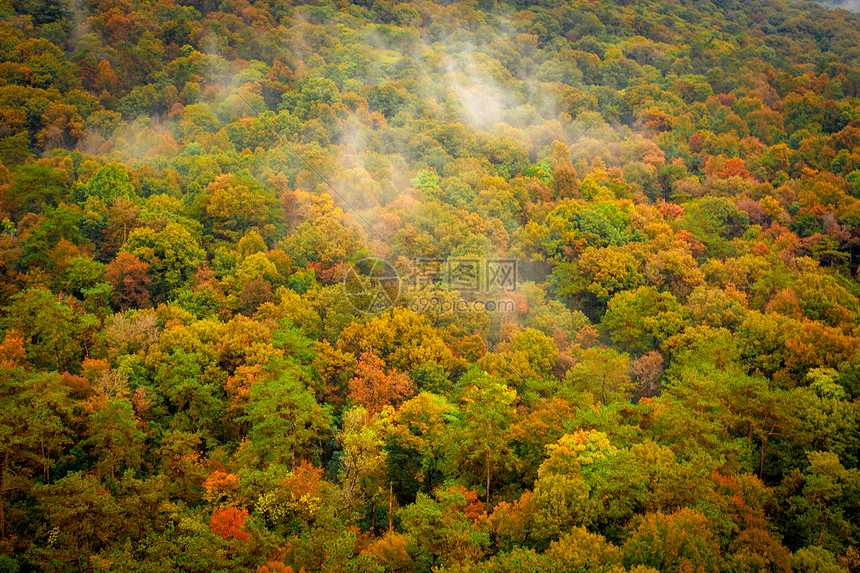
(227, 523)
(374, 388)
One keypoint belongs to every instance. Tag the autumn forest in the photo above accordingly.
(452, 286)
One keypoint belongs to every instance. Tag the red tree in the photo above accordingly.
(129, 277)
(227, 523)
(373, 388)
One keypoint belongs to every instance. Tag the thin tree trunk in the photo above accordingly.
(761, 458)
(373, 518)
(44, 463)
(2, 501)
(78, 556)
(390, 506)
(823, 525)
(488, 482)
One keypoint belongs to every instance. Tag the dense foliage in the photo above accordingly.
(187, 385)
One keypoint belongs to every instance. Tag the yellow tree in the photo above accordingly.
(234, 204)
(362, 439)
(402, 338)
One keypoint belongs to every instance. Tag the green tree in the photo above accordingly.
(641, 318)
(562, 496)
(526, 361)
(445, 526)
(603, 372)
(81, 514)
(286, 420)
(115, 437)
(416, 444)
(108, 183)
(819, 501)
(35, 413)
(814, 559)
(172, 254)
(483, 429)
(677, 542)
(57, 333)
(36, 186)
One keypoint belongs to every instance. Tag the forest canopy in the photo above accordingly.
(613, 252)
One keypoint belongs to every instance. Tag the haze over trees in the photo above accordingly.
(672, 383)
